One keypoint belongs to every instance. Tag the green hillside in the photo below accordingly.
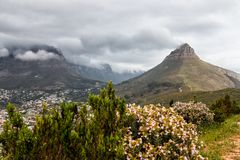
(207, 97)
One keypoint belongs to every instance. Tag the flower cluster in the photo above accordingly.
(196, 113)
(160, 133)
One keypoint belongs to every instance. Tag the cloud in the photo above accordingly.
(41, 55)
(133, 34)
(201, 25)
(4, 52)
(69, 45)
(144, 40)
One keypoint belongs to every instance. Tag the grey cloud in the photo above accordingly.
(133, 34)
(144, 41)
(123, 52)
(69, 45)
(8, 40)
(201, 26)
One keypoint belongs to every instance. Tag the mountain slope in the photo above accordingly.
(39, 67)
(182, 70)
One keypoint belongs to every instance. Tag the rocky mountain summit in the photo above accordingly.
(185, 51)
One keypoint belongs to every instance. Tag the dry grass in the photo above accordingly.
(222, 141)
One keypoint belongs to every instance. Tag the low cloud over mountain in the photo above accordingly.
(39, 55)
(29, 58)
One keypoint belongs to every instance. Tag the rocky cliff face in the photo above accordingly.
(185, 51)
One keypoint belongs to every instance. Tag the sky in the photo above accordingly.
(128, 35)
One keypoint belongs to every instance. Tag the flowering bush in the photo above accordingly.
(159, 133)
(196, 113)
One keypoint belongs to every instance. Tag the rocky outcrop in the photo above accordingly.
(185, 51)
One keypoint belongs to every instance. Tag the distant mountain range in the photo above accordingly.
(181, 71)
(45, 67)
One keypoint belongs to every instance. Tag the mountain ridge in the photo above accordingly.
(44, 66)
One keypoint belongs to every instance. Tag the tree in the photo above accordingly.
(109, 116)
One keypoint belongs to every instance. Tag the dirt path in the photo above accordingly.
(234, 153)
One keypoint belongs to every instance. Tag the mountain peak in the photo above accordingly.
(181, 71)
(184, 51)
(186, 48)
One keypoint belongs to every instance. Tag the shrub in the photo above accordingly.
(224, 108)
(89, 131)
(16, 138)
(159, 133)
(197, 113)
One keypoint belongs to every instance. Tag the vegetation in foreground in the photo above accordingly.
(103, 128)
(106, 128)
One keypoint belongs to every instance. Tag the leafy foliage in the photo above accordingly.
(194, 112)
(223, 108)
(89, 131)
(16, 138)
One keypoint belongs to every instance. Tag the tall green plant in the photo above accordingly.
(223, 108)
(108, 120)
(16, 138)
(86, 131)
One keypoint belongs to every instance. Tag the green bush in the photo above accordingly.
(16, 138)
(89, 131)
(223, 108)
